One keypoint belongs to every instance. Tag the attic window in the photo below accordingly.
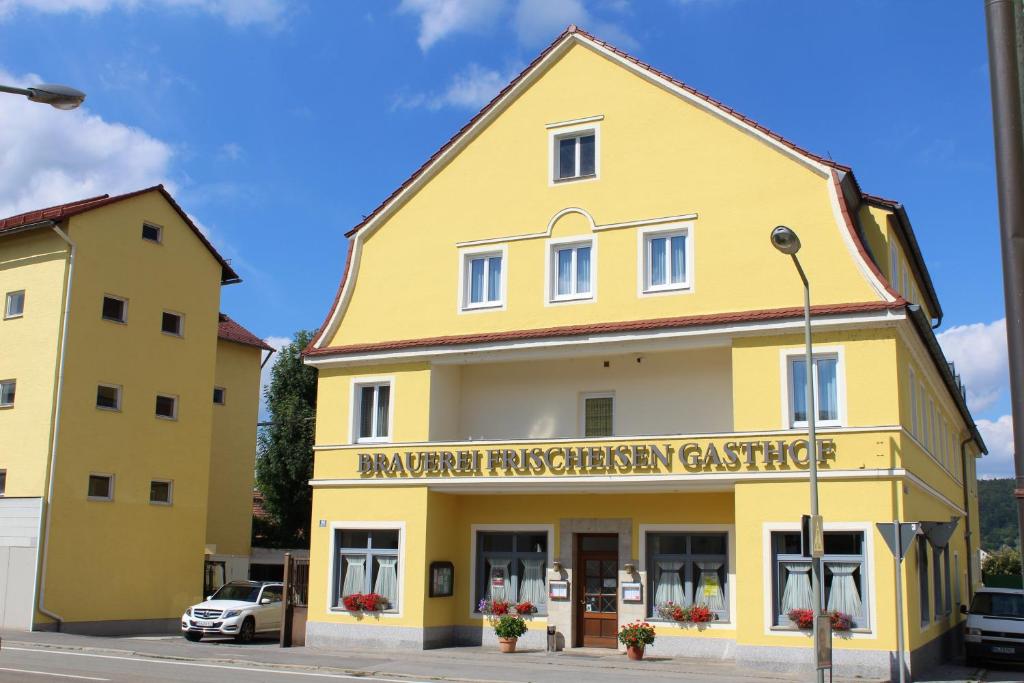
(575, 153)
(153, 233)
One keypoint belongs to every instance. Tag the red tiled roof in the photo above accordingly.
(231, 331)
(572, 29)
(623, 326)
(29, 219)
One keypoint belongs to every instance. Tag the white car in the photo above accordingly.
(240, 609)
(995, 626)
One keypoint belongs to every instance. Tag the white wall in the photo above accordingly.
(445, 395)
(19, 530)
(665, 393)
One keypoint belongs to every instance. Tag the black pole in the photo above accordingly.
(1001, 17)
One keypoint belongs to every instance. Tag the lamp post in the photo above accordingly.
(57, 96)
(786, 241)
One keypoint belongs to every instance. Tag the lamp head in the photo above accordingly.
(785, 240)
(59, 96)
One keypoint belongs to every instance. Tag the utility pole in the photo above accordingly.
(1004, 19)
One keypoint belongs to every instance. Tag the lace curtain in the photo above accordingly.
(709, 589)
(797, 593)
(532, 586)
(355, 576)
(387, 579)
(844, 595)
(500, 569)
(670, 585)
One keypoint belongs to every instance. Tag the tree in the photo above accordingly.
(1003, 562)
(998, 510)
(284, 460)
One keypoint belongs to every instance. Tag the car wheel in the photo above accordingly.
(193, 636)
(247, 632)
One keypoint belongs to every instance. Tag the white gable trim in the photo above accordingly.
(496, 109)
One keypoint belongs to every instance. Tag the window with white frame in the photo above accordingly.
(115, 309)
(572, 273)
(108, 397)
(665, 260)
(7, 390)
(160, 492)
(167, 406)
(373, 411)
(826, 389)
(152, 233)
(366, 561)
(14, 304)
(922, 401)
(894, 266)
(598, 415)
(220, 395)
(172, 323)
(687, 569)
(101, 487)
(511, 566)
(844, 576)
(483, 280)
(575, 155)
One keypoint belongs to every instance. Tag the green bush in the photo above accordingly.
(509, 626)
(1003, 562)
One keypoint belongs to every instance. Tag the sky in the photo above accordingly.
(278, 125)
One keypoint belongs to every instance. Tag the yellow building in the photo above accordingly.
(128, 416)
(565, 358)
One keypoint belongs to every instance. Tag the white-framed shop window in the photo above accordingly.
(666, 256)
(574, 153)
(367, 557)
(372, 410)
(482, 278)
(572, 269)
(519, 555)
(828, 374)
(597, 414)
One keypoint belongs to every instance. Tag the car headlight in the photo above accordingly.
(188, 612)
(973, 632)
(232, 613)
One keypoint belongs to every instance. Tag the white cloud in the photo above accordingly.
(230, 151)
(49, 156)
(442, 18)
(235, 13)
(998, 436)
(278, 343)
(979, 353)
(471, 88)
(539, 21)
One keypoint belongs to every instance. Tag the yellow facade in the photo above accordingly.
(467, 410)
(120, 557)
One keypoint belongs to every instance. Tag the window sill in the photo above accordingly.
(100, 500)
(561, 181)
(674, 289)
(386, 440)
(167, 418)
(489, 306)
(171, 334)
(116, 321)
(589, 298)
(108, 410)
(5, 406)
(14, 317)
(794, 629)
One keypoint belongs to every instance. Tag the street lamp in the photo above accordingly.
(786, 241)
(58, 96)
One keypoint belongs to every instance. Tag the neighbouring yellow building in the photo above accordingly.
(127, 416)
(565, 358)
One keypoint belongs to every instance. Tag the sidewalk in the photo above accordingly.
(478, 664)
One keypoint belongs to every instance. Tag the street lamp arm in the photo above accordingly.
(15, 91)
(53, 94)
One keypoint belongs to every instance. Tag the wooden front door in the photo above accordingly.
(597, 616)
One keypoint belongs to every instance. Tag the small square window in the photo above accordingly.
(115, 309)
(598, 415)
(219, 395)
(483, 284)
(167, 406)
(3, 482)
(108, 397)
(153, 233)
(101, 487)
(7, 388)
(575, 155)
(666, 258)
(160, 492)
(572, 271)
(14, 307)
(172, 323)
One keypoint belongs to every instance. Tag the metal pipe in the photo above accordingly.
(15, 91)
(900, 644)
(812, 457)
(967, 519)
(1009, 143)
(58, 403)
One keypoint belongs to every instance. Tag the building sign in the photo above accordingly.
(648, 457)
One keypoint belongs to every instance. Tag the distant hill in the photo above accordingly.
(998, 513)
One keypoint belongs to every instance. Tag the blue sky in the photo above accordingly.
(278, 125)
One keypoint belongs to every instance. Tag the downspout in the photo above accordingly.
(72, 251)
(967, 519)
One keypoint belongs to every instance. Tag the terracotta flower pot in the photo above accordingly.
(507, 644)
(635, 652)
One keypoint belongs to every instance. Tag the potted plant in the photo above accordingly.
(636, 636)
(509, 628)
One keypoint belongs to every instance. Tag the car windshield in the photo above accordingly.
(237, 592)
(999, 605)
